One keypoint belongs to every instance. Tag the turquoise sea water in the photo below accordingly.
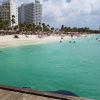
(54, 66)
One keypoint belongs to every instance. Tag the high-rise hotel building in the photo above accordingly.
(7, 10)
(30, 13)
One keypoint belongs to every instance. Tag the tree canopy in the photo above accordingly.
(4, 25)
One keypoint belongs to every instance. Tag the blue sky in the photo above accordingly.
(74, 13)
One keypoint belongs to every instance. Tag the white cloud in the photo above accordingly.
(71, 12)
(77, 10)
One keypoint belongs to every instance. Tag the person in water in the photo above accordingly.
(96, 38)
(60, 41)
(74, 42)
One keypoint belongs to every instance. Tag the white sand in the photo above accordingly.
(9, 40)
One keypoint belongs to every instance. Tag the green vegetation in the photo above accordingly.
(42, 27)
(75, 29)
(4, 25)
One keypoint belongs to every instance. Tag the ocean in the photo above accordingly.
(65, 66)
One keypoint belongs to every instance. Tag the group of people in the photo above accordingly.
(73, 41)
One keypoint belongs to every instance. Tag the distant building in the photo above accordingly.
(7, 10)
(30, 13)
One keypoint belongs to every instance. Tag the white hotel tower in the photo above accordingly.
(8, 9)
(30, 13)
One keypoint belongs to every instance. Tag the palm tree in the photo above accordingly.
(52, 29)
(1, 24)
(7, 24)
(13, 21)
(62, 28)
(38, 28)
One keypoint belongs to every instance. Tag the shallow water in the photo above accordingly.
(54, 66)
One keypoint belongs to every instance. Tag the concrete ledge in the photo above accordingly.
(39, 93)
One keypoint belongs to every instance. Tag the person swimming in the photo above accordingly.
(96, 38)
(74, 42)
(60, 41)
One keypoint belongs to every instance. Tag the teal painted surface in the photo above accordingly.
(54, 66)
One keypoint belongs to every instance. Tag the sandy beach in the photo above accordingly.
(10, 41)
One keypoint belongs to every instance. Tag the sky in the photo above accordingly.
(73, 13)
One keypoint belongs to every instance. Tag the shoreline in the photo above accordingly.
(10, 41)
